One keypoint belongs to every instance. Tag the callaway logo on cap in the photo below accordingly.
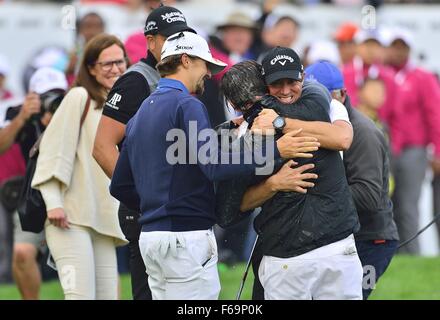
(193, 45)
(150, 26)
(281, 59)
(281, 63)
(165, 21)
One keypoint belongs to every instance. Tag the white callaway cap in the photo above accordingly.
(193, 45)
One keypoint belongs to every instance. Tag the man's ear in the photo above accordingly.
(185, 60)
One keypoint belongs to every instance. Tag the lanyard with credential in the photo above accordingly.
(359, 78)
(400, 76)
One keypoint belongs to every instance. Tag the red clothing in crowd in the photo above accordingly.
(223, 57)
(355, 72)
(136, 47)
(416, 118)
(12, 163)
(5, 94)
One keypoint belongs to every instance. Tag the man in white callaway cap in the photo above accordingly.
(173, 187)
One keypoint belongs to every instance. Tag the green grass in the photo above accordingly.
(410, 278)
(406, 278)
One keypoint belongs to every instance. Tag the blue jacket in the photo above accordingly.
(165, 180)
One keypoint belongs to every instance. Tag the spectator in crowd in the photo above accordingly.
(371, 97)
(51, 56)
(367, 167)
(367, 64)
(11, 165)
(344, 38)
(4, 72)
(26, 122)
(414, 125)
(87, 27)
(237, 35)
(280, 31)
(82, 229)
(321, 50)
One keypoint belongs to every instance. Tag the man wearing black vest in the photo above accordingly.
(123, 101)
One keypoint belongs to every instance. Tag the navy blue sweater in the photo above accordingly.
(172, 196)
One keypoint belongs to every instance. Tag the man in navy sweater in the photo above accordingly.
(171, 180)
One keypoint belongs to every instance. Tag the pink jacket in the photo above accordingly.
(223, 57)
(416, 117)
(136, 47)
(354, 74)
(12, 163)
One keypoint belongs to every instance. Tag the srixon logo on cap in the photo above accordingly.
(283, 57)
(171, 17)
(179, 47)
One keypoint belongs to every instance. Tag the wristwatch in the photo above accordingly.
(279, 123)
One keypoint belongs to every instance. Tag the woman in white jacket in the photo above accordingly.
(82, 227)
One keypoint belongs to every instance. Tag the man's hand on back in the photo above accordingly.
(290, 146)
(264, 121)
(289, 179)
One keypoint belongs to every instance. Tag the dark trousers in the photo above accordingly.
(139, 278)
(377, 256)
(257, 289)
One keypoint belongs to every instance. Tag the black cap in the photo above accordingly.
(281, 63)
(166, 21)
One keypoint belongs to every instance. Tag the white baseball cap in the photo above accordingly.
(401, 34)
(46, 79)
(193, 45)
(363, 35)
(323, 50)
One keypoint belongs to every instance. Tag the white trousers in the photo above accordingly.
(86, 262)
(331, 272)
(181, 265)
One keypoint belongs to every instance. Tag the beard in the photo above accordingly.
(200, 86)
